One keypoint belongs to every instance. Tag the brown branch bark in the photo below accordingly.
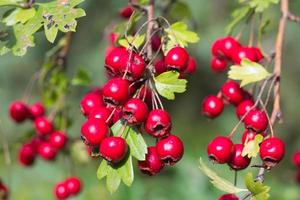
(150, 14)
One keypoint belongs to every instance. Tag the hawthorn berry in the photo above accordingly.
(243, 108)
(90, 101)
(296, 158)
(116, 59)
(36, 110)
(191, 67)
(101, 113)
(220, 149)
(113, 38)
(18, 111)
(216, 48)
(61, 192)
(152, 164)
(158, 123)
(159, 66)
(113, 149)
(256, 120)
(134, 68)
(170, 149)
(228, 197)
(27, 154)
(177, 58)
(237, 161)
(116, 91)
(243, 52)
(232, 92)
(58, 139)
(228, 46)
(126, 11)
(73, 185)
(218, 64)
(4, 193)
(258, 54)
(249, 135)
(135, 111)
(212, 106)
(36, 141)
(155, 42)
(93, 131)
(272, 151)
(118, 113)
(43, 126)
(47, 151)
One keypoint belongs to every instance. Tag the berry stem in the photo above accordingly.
(150, 14)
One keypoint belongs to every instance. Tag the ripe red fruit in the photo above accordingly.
(191, 67)
(218, 64)
(134, 68)
(249, 135)
(243, 52)
(296, 158)
(177, 58)
(220, 149)
(116, 59)
(43, 126)
(126, 12)
(258, 54)
(36, 110)
(155, 42)
(4, 193)
(228, 197)
(135, 111)
(73, 185)
(152, 164)
(228, 46)
(94, 131)
(36, 141)
(237, 161)
(18, 111)
(113, 38)
(113, 149)
(101, 113)
(272, 151)
(216, 48)
(90, 101)
(212, 106)
(170, 149)
(27, 155)
(47, 151)
(58, 139)
(116, 91)
(61, 192)
(159, 66)
(232, 92)
(243, 108)
(146, 94)
(256, 120)
(158, 123)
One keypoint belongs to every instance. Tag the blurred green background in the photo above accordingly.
(184, 180)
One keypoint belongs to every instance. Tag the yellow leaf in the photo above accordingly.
(251, 148)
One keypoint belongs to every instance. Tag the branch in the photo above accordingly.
(150, 14)
(293, 17)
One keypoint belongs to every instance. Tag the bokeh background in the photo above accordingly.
(185, 180)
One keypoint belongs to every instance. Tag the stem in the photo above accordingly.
(150, 14)
(235, 177)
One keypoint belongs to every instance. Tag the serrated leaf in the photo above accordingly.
(137, 144)
(102, 169)
(251, 148)
(113, 180)
(168, 83)
(257, 189)
(19, 15)
(219, 182)
(126, 171)
(237, 16)
(260, 5)
(248, 72)
(134, 41)
(81, 78)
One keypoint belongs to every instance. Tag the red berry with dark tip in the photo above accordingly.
(228, 197)
(126, 12)
(4, 192)
(158, 123)
(152, 164)
(243, 52)
(296, 158)
(228, 46)
(93, 131)
(18, 111)
(61, 192)
(134, 68)
(135, 111)
(101, 113)
(73, 185)
(177, 58)
(191, 67)
(232, 92)
(58, 139)
(170, 149)
(47, 151)
(159, 66)
(116, 91)
(220, 149)
(272, 151)
(218, 64)
(43, 126)
(36, 110)
(243, 108)
(90, 101)
(212, 106)
(237, 161)
(113, 149)
(116, 59)
(27, 154)
(256, 120)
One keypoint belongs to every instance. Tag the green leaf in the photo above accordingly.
(10, 2)
(82, 78)
(251, 148)
(50, 33)
(118, 128)
(102, 169)
(260, 5)
(137, 144)
(126, 172)
(219, 182)
(134, 41)
(237, 16)
(169, 83)
(257, 189)
(19, 15)
(248, 72)
(113, 180)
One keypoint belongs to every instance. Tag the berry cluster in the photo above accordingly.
(47, 142)
(228, 49)
(67, 188)
(4, 193)
(296, 162)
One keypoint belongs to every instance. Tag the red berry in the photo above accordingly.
(296, 158)
(232, 92)
(220, 149)
(113, 149)
(272, 151)
(158, 123)
(36, 110)
(58, 139)
(134, 68)
(36, 141)
(258, 54)
(43, 126)
(94, 131)
(191, 67)
(243, 108)
(135, 111)
(218, 64)
(18, 111)
(243, 52)
(101, 113)
(228, 197)
(113, 38)
(61, 192)
(248, 136)
(27, 154)
(155, 42)
(237, 161)
(256, 120)
(90, 101)
(228, 46)
(126, 12)
(212, 106)
(146, 94)
(216, 48)
(152, 164)
(4, 193)
(159, 66)
(116, 59)
(47, 151)
(116, 91)
(170, 149)
(117, 114)
(177, 58)
(73, 185)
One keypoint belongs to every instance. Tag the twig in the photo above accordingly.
(150, 14)
(293, 17)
